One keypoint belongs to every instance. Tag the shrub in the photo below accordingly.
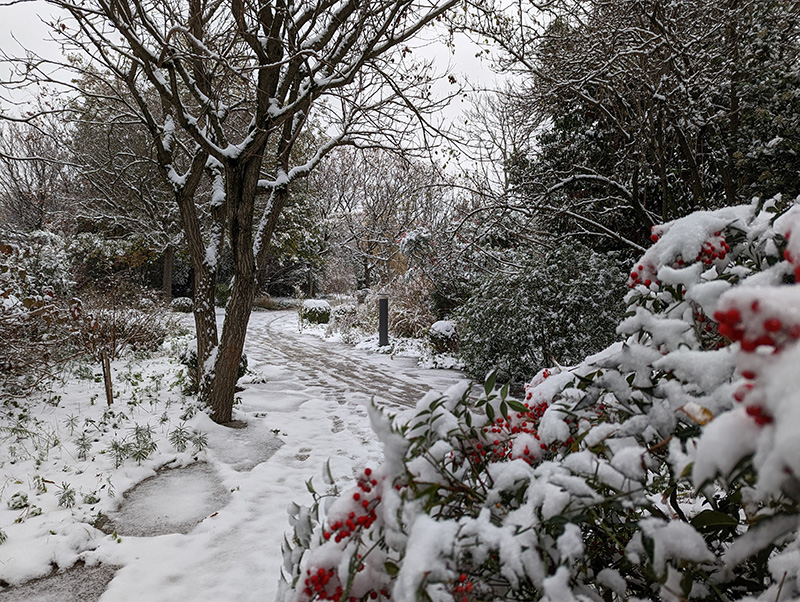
(663, 468)
(109, 324)
(410, 308)
(96, 258)
(353, 322)
(443, 336)
(183, 305)
(34, 325)
(559, 309)
(315, 311)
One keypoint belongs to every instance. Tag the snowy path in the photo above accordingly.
(304, 404)
(327, 368)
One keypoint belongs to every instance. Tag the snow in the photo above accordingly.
(429, 540)
(230, 499)
(316, 304)
(446, 328)
(674, 540)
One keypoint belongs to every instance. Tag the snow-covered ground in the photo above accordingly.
(209, 532)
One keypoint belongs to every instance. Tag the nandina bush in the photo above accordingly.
(554, 309)
(663, 468)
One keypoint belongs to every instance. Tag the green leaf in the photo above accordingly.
(517, 406)
(504, 391)
(310, 487)
(391, 568)
(491, 378)
(490, 412)
(504, 409)
(711, 520)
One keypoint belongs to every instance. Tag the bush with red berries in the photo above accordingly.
(662, 468)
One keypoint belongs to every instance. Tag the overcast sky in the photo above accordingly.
(26, 25)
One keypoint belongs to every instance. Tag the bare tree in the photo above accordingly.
(241, 81)
(34, 181)
(377, 197)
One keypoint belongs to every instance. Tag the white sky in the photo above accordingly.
(23, 25)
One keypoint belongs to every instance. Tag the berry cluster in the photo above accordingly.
(505, 439)
(362, 518)
(317, 585)
(753, 327)
(716, 248)
(462, 589)
(324, 583)
(794, 260)
(643, 274)
(763, 324)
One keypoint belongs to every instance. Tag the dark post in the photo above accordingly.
(383, 319)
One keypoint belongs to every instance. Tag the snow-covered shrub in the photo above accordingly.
(664, 467)
(554, 310)
(443, 336)
(315, 311)
(183, 305)
(354, 322)
(34, 323)
(95, 258)
(342, 316)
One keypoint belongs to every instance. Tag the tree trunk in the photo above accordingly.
(241, 181)
(205, 323)
(166, 280)
(226, 366)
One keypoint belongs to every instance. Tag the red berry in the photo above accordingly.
(772, 325)
(765, 340)
(748, 345)
(726, 330)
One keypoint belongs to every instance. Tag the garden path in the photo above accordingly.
(213, 531)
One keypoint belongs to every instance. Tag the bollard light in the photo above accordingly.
(383, 319)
